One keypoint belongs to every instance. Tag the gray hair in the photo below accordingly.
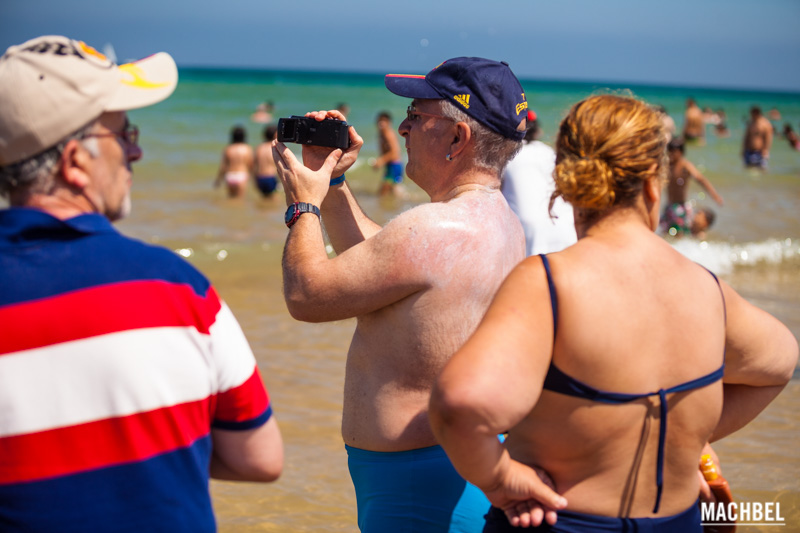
(36, 175)
(493, 151)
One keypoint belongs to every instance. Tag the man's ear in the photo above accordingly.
(74, 165)
(460, 139)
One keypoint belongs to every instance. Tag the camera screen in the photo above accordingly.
(288, 128)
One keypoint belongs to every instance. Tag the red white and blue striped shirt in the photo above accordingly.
(116, 360)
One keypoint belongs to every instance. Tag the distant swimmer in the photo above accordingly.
(677, 216)
(703, 219)
(236, 166)
(668, 121)
(721, 128)
(757, 140)
(266, 173)
(263, 113)
(344, 109)
(694, 125)
(790, 135)
(390, 156)
(710, 116)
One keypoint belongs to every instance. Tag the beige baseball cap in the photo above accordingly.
(51, 86)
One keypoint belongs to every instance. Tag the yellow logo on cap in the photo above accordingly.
(133, 75)
(522, 106)
(462, 99)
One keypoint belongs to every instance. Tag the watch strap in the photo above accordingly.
(299, 208)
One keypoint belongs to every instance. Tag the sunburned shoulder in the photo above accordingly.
(469, 211)
(478, 222)
(430, 220)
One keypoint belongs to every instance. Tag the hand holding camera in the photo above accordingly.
(321, 132)
(301, 183)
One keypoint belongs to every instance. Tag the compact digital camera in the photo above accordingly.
(305, 130)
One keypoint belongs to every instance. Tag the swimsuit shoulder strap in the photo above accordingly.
(722, 295)
(553, 295)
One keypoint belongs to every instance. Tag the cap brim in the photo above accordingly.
(145, 82)
(411, 86)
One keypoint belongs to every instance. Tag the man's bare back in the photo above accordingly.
(694, 126)
(465, 247)
(265, 164)
(238, 157)
(236, 166)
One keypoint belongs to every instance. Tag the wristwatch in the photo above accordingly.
(297, 209)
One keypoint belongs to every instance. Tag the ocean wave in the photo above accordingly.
(723, 257)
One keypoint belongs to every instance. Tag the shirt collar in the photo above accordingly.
(17, 222)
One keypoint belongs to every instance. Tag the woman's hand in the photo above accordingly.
(527, 496)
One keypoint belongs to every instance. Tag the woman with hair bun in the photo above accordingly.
(612, 364)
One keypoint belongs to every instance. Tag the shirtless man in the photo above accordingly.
(757, 140)
(390, 155)
(266, 173)
(668, 121)
(694, 125)
(677, 216)
(417, 286)
(236, 165)
(263, 113)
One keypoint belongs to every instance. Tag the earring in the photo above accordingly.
(448, 157)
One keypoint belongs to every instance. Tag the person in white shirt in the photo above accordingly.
(527, 187)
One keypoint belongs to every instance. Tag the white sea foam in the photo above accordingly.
(722, 257)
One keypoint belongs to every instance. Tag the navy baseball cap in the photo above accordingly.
(484, 89)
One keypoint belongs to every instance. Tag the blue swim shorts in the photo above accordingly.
(571, 522)
(394, 172)
(267, 184)
(414, 490)
(753, 158)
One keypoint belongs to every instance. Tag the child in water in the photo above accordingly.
(677, 216)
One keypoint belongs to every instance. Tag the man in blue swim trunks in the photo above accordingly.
(418, 286)
(757, 140)
(390, 155)
(266, 179)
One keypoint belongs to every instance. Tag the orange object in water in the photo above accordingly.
(722, 492)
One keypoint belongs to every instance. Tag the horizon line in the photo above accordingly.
(616, 84)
